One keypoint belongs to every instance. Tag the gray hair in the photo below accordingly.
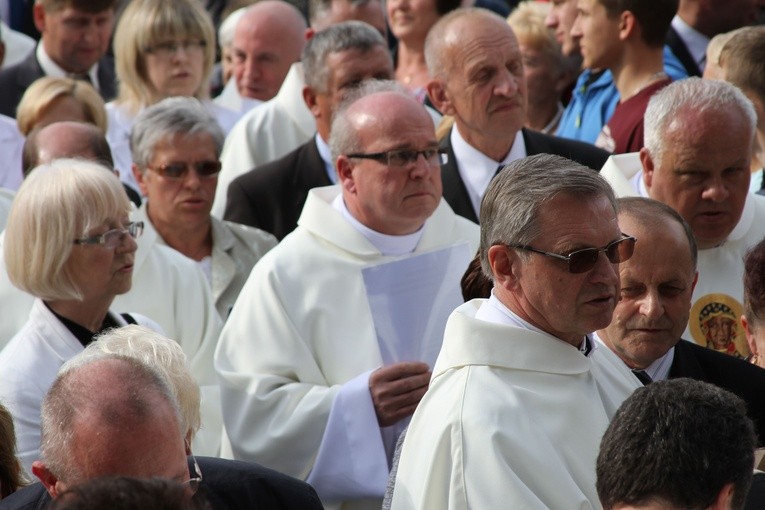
(440, 38)
(227, 28)
(511, 207)
(343, 138)
(349, 35)
(81, 390)
(159, 353)
(169, 117)
(693, 95)
(318, 9)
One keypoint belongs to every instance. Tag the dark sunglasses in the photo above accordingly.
(179, 169)
(581, 261)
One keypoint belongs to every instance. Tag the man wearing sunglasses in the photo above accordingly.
(521, 394)
(654, 304)
(323, 358)
(696, 159)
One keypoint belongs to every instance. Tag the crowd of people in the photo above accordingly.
(355, 254)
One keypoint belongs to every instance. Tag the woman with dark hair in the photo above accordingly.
(11, 477)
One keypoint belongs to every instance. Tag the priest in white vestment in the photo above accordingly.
(521, 394)
(320, 364)
(698, 139)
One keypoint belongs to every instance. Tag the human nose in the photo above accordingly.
(651, 305)
(576, 27)
(605, 271)
(716, 191)
(551, 20)
(508, 84)
(421, 168)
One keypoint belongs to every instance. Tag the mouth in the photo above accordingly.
(603, 300)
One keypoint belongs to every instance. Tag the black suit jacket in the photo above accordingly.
(455, 192)
(15, 80)
(272, 196)
(226, 485)
(678, 47)
(732, 374)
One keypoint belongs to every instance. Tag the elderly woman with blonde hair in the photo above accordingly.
(162, 48)
(69, 243)
(50, 99)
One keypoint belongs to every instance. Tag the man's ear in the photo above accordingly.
(648, 168)
(344, 169)
(140, 178)
(38, 16)
(439, 97)
(309, 97)
(504, 264)
(47, 478)
(628, 25)
(724, 498)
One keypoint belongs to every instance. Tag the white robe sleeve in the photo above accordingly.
(351, 463)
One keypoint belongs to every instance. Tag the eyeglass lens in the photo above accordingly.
(618, 251)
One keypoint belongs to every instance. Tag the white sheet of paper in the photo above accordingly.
(410, 300)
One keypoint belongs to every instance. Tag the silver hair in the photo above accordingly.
(169, 117)
(511, 207)
(692, 95)
(77, 392)
(349, 35)
(343, 138)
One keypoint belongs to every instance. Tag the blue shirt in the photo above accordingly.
(594, 98)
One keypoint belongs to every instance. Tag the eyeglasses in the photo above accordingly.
(405, 157)
(113, 238)
(178, 169)
(581, 261)
(194, 482)
(169, 49)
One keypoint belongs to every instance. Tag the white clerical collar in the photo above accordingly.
(493, 310)
(385, 244)
(326, 156)
(638, 183)
(476, 168)
(658, 370)
(50, 68)
(695, 41)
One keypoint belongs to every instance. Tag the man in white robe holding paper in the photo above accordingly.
(325, 354)
(521, 394)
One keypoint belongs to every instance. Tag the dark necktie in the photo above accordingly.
(643, 376)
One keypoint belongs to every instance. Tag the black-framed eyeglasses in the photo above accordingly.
(581, 261)
(177, 170)
(113, 238)
(401, 158)
(194, 482)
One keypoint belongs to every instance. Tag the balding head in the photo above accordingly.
(107, 417)
(66, 139)
(268, 39)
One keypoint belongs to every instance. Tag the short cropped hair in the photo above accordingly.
(437, 43)
(124, 493)
(56, 204)
(654, 16)
(89, 6)
(511, 206)
(145, 23)
(95, 141)
(72, 396)
(743, 58)
(163, 355)
(43, 94)
(169, 117)
(651, 212)
(678, 442)
(754, 284)
(343, 138)
(692, 95)
(349, 35)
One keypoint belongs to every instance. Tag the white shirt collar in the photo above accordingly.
(326, 156)
(477, 169)
(695, 41)
(385, 244)
(50, 68)
(493, 310)
(658, 370)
